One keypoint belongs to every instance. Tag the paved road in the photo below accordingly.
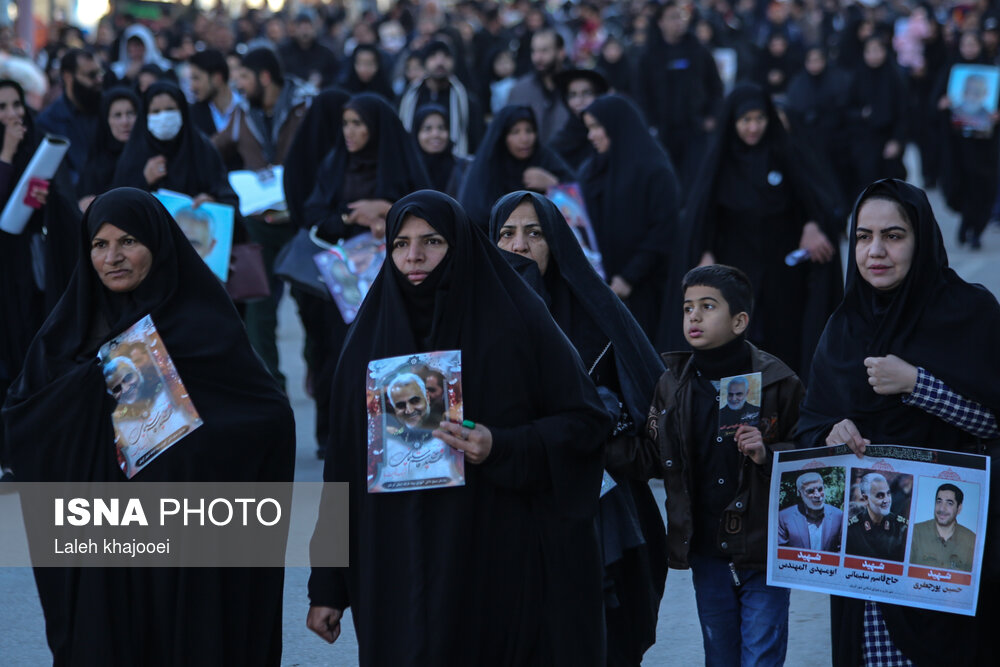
(22, 638)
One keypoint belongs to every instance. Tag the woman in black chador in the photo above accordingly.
(505, 570)
(908, 358)
(119, 113)
(631, 194)
(969, 179)
(365, 73)
(624, 368)
(167, 151)
(757, 202)
(510, 158)
(135, 261)
(445, 169)
(373, 163)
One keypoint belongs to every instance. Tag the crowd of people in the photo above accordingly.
(718, 152)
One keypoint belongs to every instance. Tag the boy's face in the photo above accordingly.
(707, 320)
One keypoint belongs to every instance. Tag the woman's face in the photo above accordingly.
(596, 134)
(355, 131)
(11, 109)
(522, 234)
(815, 62)
(969, 46)
(365, 66)
(120, 260)
(874, 53)
(418, 249)
(162, 102)
(751, 126)
(580, 94)
(433, 134)
(521, 140)
(121, 119)
(884, 244)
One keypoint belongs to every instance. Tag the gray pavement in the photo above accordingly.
(22, 633)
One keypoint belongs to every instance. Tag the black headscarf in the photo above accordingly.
(58, 419)
(918, 322)
(320, 131)
(495, 172)
(105, 149)
(528, 508)
(388, 167)
(439, 165)
(379, 85)
(194, 165)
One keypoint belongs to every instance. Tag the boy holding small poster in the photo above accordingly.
(717, 479)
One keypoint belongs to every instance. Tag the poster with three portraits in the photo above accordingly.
(903, 525)
(407, 398)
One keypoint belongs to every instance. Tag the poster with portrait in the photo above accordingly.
(408, 397)
(154, 410)
(349, 269)
(902, 525)
(739, 403)
(972, 91)
(208, 227)
(569, 200)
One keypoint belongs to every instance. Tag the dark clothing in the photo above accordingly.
(495, 172)
(58, 417)
(547, 105)
(876, 115)
(379, 84)
(512, 555)
(885, 539)
(571, 143)
(730, 419)
(260, 138)
(915, 322)
(313, 61)
(105, 150)
(445, 169)
(749, 211)
(465, 115)
(632, 198)
(62, 117)
(674, 445)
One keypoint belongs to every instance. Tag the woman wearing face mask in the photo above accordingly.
(757, 202)
(35, 264)
(631, 193)
(624, 368)
(908, 358)
(445, 169)
(119, 110)
(167, 151)
(509, 560)
(510, 158)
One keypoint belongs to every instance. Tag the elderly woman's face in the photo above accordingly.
(418, 249)
(522, 234)
(120, 260)
(884, 244)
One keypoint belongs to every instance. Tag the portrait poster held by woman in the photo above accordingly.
(509, 158)
(167, 151)
(511, 558)
(632, 197)
(624, 367)
(757, 201)
(445, 169)
(35, 265)
(908, 358)
(373, 163)
(133, 262)
(119, 111)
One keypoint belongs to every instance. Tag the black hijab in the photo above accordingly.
(379, 85)
(934, 320)
(584, 306)
(320, 131)
(520, 513)
(388, 167)
(105, 149)
(194, 165)
(495, 172)
(439, 165)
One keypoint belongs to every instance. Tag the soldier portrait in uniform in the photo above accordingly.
(739, 402)
(876, 531)
(942, 541)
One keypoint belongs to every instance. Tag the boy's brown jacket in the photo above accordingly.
(664, 449)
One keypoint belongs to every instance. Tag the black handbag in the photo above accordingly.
(294, 263)
(247, 275)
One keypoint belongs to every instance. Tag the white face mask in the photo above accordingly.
(165, 125)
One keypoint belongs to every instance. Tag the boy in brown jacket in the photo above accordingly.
(717, 485)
